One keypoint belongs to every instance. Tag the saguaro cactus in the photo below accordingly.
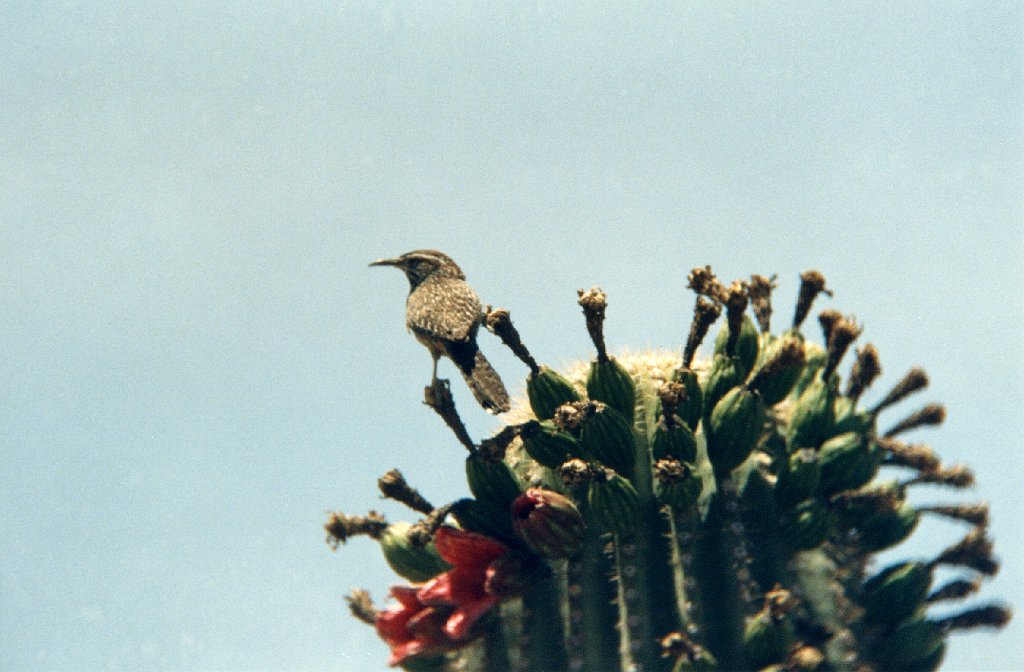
(650, 512)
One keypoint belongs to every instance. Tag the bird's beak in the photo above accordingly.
(387, 262)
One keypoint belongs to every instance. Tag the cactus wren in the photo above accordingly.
(444, 314)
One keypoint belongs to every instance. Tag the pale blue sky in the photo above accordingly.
(197, 361)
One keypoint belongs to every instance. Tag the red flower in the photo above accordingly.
(439, 615)
(465, 586)
(411, 628)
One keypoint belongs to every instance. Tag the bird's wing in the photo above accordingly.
(444, 308)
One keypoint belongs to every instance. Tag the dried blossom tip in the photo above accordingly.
(916, 379)
(438, 396)
(975, 514)
(735, 304)
(828, 319)
(499, 323)
(703, 282)
(394, 486)
(913, 456)
(570, 417)
(679, 646)
(957, 589)
(866, 369)
(594, 302)
(812, 283)
(341, 527)
(974, 551)
(576, 472)
(844, 332)
(958, 476)
(932, 414)
(990, 616)
(705, 313)
(759, 289)
(361, 606)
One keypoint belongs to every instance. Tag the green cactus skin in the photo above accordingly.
(691, 521)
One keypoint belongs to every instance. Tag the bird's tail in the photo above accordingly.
(483, 380)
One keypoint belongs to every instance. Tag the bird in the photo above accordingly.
(444, 314)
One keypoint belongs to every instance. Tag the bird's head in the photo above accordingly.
(419, 265)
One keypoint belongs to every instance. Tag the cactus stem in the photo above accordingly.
(394, 486)
(594, 302)
(932, 414)
(865, 369)
(543, 628)
(721, 616)
(340, 527)
(840, 336)
(760, 291)
(499, 322)
(646, 593)
(593, 615)
(704, 315)
(812, 283)
(438, 396)
(496, 648)
(361, 606)
(916, 379)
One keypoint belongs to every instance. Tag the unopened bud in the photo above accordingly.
(547, 390)
(417, 563)
(548, 522)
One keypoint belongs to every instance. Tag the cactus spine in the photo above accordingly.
(648, 513)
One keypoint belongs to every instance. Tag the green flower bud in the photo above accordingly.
(608, 438)
(798, 478)
(613, 503)
(735, 426)
(692, 407)
(778, 386)
(610, 383)
(484, 517)
(676, 483)
(548, 522)
(410, 561)
(887, 528)
(548, 445)
(813, 416)
(807, 525)
(849, 419)
(746, 347)
(896, 593)
(847, 463)
(676, 442)
(723, 376)
(766, 640)
(815, 358)
(491, 481)
(547, 391)
(916, 644)
(879, 517)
